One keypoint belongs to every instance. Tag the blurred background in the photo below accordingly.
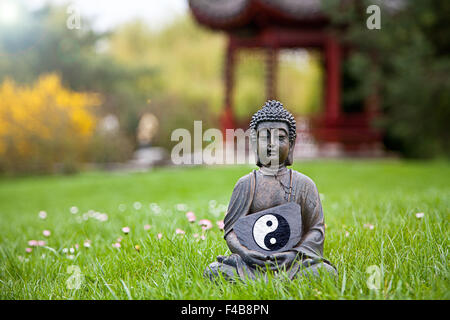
(103, 84)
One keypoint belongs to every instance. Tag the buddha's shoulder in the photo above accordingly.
(302, 179)
(244, 180)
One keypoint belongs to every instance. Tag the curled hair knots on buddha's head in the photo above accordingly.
(273, 110)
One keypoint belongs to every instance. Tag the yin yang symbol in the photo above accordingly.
(271, 232)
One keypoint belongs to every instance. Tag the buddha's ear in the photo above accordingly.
(254, 146)
(290, 159)
(258, 161)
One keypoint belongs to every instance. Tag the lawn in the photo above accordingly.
(371, 213)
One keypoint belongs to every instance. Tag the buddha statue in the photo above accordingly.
(273, 134)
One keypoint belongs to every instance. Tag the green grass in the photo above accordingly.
(411, 253)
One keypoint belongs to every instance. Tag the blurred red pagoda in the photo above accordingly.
(274, 25)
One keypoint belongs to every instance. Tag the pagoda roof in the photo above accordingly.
(233, 15)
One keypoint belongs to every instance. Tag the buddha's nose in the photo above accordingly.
(274, 137)
(273, 148)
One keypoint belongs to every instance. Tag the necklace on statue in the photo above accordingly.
(286, 188)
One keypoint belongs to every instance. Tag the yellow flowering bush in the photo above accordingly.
(44, 124)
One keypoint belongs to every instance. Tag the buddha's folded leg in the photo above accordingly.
(217, 269)
(230, 267)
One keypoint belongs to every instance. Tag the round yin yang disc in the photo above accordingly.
(271, 232)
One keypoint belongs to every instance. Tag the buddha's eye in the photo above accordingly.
(282, 135)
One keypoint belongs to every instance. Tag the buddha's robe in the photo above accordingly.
(258, 191)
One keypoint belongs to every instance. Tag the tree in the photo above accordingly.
(408, 61)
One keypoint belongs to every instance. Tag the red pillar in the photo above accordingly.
(227, 117)
(333, 79)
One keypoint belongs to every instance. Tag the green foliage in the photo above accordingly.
(43, 44)
(298, 82)
(188, 83)
(407, 61)
(175, 73)
(411, 253)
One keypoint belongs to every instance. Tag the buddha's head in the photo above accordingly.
(273, 133)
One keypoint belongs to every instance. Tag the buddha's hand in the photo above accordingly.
(285, 258)
(253, 257)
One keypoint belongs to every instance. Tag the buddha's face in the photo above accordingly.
(272, 143)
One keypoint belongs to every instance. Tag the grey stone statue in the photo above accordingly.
(262, 243)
